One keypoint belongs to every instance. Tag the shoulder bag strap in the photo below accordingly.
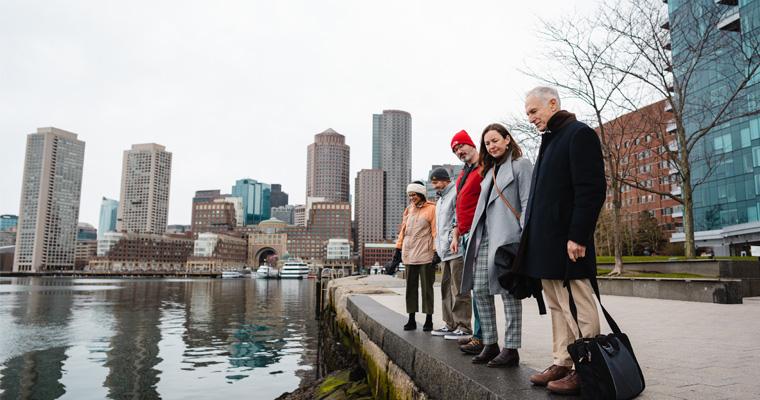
(504, 199)
(574, 311)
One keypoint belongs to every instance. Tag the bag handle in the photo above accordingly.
(574, 311)
(504, 199)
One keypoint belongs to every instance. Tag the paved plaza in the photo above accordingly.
(688, 350)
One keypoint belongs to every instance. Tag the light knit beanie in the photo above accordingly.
(416, 188)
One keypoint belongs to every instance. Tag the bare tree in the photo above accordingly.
(584, 53)
(705, 45)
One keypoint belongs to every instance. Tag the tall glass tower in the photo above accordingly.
(256, 199)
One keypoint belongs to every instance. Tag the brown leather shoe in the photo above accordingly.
(570, 384)
(490, 351)
(464, 340)
(553, 373)
(473, 347)
(507, 358)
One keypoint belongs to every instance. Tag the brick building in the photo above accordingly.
(214, 253)
(377, 253)
(211, 213)
(644, 135)
(144, 252)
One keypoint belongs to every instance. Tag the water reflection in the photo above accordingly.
(155, 338)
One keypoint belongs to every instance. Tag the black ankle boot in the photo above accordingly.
(411, 324)
(507, 358)
(487, 354)
(428, 323)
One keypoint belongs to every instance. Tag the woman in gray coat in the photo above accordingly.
(505, 174)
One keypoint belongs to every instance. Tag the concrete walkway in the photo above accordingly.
(687, 350)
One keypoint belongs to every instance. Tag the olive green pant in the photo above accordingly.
(425, 274)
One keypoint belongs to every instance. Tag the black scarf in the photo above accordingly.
(560, 120)
(467, 169)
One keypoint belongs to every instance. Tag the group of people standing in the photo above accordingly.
(547, 212)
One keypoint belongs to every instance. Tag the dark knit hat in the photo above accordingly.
(461, 138)
(440, 174)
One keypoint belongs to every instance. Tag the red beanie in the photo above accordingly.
(461, 138)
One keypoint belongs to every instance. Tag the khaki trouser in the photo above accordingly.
(456, 306)
(425, 274)
(564, 328)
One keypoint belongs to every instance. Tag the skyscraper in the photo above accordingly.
(278, 198)
(50, 193)
(392, 153)
(256, 199)
(327, 167)
(109, 210)
(369, 206)
(145, 180)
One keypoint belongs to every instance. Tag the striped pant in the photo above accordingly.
(486, 308)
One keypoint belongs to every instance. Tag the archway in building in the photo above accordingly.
(264, 254)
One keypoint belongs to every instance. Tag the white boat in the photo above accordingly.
(232, 274)
(294, 269)
(267, 272)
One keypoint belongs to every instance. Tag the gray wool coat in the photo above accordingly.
(513, 179)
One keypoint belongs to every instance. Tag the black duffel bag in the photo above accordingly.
(605, 364)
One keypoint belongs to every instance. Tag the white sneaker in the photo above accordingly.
(441, 332)
(456, 335)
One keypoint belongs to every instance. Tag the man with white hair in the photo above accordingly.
(557, 244)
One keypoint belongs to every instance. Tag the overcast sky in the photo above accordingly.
(238, 89)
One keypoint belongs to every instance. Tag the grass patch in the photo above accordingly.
(644, 259)
(634, 274)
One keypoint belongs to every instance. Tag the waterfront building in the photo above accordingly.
(277, 198)
(107, 241)
(453, 171)
(392, 153)
(109, 210)
(727, 200)
(255, 196)
(145, 183)
(8, 222)
(369, 206)
(6, 257)
(338, 249)
(7, 238)
(269, 239)
(284, 213)
(143, 252)
(49, 207)
(214, 253)
(377, 254)
(86, 249)
(327, 167)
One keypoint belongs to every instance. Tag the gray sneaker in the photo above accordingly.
(457, 334)
(441, 332)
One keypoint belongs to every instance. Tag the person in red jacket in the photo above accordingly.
(468, 192)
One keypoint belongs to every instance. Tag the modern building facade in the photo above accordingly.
(50, 194)
(338, 249)
(284, 213)
(109, 210)
(86, 231)
(256, 200)
(145, 183)
(392, 153)
(327, 167)
(278, 198)
(369, 206)
(8, 222)
(299, 215)
(726, 162)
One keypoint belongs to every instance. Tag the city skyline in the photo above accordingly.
(251, 117)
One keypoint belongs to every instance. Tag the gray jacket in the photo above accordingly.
(445, 214)
(514, 181)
